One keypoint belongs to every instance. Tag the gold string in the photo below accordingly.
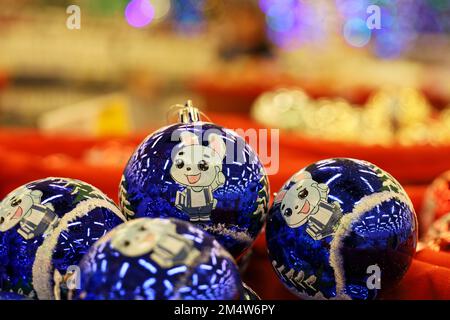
(173, 109)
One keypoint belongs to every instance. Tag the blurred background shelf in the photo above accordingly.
(77, 103)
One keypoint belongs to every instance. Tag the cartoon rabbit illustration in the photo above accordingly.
(156, 237)
(199, 169)
(24, 206)
(307, 202)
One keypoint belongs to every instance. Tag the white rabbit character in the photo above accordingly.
(306, 202)
(199, 169)
(23, 207)
(156, 237)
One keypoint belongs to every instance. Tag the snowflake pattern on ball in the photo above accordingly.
(47, 226)
(152, 259)
(334, 219)
(200, 173)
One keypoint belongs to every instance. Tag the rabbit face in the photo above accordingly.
(301, 200)
(16, 205)
(137, 237)
(195, 165)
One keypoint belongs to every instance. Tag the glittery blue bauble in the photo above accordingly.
(201, 173)
(155, 259)
(11, 296)
(47, 226)
(341, 228)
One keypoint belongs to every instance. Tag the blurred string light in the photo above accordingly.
(356, 32)
(162, 8)
(398, 30)
(435, 16)
(188, 15)
(140, 13)
(401, 22)
(291, 23)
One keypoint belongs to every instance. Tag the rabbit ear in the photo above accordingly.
(216, 143)
(323, 189)
(37, 194)
(280, 196)
(189, 138)
(301, 176)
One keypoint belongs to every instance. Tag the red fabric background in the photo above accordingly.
(27, 155)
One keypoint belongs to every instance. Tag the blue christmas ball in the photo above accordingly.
(249, 293)
(158, 259)
(202, 173)
(46, 227)
(12, 296)
(340, 229)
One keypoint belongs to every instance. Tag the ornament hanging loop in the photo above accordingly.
(189, 113)
(186, 113)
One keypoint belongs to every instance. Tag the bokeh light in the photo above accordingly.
(162, 8)
(139, 13)
(401, 22)
(188, 15)
(356, 32)
(291, 23)
(280, 18)
(352, 8)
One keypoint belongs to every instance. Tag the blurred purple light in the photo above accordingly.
(388, 47)
(291, 23)
(280, 18)
(139, 13)
(351, 8)
(264, 5)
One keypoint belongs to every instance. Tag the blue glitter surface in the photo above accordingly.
(149, 190)
(11, 296)
(57, 197)
(205, 271)
(384, 235)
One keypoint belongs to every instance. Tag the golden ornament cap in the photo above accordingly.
(188, 113)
